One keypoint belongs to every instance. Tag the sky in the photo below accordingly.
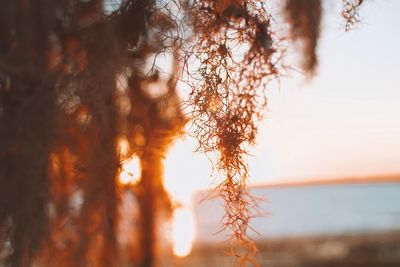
(343, 122)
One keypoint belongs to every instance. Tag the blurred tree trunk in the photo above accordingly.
(150, 195)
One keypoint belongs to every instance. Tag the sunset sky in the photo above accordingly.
(344, 122)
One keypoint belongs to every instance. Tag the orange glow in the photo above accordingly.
(130, 173)
(182, 232)
(214, 105)
(131, 168)
(181, 181)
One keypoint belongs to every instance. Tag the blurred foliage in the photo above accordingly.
(79, 78)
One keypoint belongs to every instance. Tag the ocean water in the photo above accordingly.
(309, 211)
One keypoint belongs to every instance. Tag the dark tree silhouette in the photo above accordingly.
(74, 82)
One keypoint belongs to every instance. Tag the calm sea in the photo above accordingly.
(311, 210)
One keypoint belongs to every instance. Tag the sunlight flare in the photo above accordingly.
(182, 232)
(130, 172)
(131, 168)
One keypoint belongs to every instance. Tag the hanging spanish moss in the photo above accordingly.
(304, 17)
(350, 13)
(229, 98)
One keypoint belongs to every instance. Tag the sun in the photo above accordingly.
(182, 232)
(180, 164)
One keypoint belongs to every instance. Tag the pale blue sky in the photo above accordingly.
(344, 122)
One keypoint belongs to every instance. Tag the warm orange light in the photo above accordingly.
(180, 188)
(130, 173)
(131, 168)
(182, 232)
(214, 105)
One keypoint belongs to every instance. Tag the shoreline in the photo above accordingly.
(380, 249)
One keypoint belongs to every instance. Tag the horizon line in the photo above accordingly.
(348, 180)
